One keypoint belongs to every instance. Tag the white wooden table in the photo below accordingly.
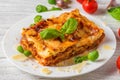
(11, 11)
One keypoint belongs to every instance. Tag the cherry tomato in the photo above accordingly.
(118, 62)
(119, 32)
(80, 1)
(90, 6)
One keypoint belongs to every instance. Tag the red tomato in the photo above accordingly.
(90, 6)
(80, 1)
(119, 32)
(118, 62)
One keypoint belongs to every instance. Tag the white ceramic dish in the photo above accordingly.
(12, 38)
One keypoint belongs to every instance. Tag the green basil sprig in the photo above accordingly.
(70, 26)
(27, 53)
(115, 12)
(52, 1)
(92, 56)
(51, 33)
(80, 59)
(55, 8)
(41, 8)
(37, 18)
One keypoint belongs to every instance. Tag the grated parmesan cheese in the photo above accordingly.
(19, 57)
(78, 67)
(107, 47)
(46, 71)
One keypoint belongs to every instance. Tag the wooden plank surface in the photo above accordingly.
(12, 11)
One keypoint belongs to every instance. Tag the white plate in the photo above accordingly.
(12, 38)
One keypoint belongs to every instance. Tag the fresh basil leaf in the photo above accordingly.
(69, 26)
(55, 8)
(62, 37)
(115, 12)
(80, 59)
(37, 18)
(41, 8)
(50, 33)
(52, 1)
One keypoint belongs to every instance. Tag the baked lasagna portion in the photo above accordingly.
(49, 52)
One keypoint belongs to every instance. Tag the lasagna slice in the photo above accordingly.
(49, 52)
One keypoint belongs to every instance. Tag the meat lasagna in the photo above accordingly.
(49, 52)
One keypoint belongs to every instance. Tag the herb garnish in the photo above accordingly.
(69, 27)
